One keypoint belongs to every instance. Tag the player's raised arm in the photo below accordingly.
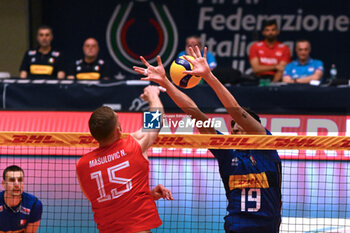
(239, 115)
(157, 75)
(146, 137)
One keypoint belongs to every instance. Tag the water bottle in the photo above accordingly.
(333, 72)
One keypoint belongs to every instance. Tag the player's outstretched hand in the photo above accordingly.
(200, 64)
(152, 73)
(150, 92)
(161, 192)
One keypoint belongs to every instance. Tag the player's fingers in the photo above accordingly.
(192, 53)
(154, 89)
(145, 62)
(197, 51)
(162, 190)
(188, 72)
(188, 59)
(139, 70)
(145, 79)
(159, 60)
(205, 53)
(169, 195)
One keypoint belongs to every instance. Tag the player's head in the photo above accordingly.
(270, 30)
(237, 129)
(191, 42)
(90, 48)
(13, 181)
(303, 49)
(44, 36)
(104, 124)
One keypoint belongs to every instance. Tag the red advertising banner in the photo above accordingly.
(279, 125)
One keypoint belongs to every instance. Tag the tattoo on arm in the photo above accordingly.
(244, 115)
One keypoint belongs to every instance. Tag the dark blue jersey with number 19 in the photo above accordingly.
(252, 180)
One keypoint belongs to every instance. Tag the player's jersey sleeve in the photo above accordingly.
(253, 51)
(25, 63)
(36, 212)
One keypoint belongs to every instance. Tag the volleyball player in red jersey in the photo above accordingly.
(114, 177)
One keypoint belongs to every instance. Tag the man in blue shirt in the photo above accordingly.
(304, 69)
(19, 211)
(193, 41)
(252, 178)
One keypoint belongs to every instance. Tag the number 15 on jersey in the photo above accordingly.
(111, 171)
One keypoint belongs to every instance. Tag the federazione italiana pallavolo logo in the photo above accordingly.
(123, 21)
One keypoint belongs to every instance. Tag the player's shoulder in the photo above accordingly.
(83, 162)
(136, 136)
(28, 196)
(29, 200)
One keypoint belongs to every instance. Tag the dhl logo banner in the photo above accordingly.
(248, 181)
(263, 142)
(47, 139)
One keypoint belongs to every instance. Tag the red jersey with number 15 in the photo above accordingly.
(115, 180)
(269, 56)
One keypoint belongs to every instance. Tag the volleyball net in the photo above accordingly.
(315, 179)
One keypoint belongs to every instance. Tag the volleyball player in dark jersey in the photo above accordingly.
(252, 178)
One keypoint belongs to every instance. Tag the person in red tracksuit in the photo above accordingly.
(114, 177)
(269, 56)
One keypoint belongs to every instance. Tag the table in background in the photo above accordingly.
(67, 95)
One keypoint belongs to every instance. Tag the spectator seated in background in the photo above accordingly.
(269, 56)
(191, 42)
(43, 62)
(304, 69)
(91, 67)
